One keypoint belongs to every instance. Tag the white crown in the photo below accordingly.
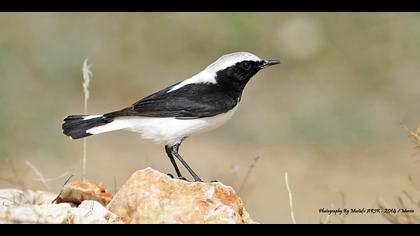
(231, 59)
(208, 75)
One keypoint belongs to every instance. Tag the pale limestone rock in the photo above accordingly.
(147, 197)
(93, 212)
(31, 214)
(18, 197)
(17, 206)
(152, 197)
(76, 192)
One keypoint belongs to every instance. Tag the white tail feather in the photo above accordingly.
(117, 124)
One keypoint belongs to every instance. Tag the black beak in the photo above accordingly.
(267, 63)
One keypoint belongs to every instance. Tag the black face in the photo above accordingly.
(237, 76)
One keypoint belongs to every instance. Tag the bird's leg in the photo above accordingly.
(175, 149)
(171, 157)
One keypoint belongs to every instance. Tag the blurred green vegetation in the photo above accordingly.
(346, 82)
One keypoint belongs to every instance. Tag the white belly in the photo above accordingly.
(165, 130)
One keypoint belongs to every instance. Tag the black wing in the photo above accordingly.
(188, 102)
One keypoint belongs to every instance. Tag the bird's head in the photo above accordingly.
(236, 69)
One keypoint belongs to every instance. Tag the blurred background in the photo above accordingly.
(329, 115)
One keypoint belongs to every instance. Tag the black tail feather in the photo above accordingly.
(75, 126)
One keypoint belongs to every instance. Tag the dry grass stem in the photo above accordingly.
(87, 76)
(61, 191)
(414, 135)
(292, 213)
(16, 179)
(38, 173)
(248, 173)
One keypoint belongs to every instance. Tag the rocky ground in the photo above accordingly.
(148, 196)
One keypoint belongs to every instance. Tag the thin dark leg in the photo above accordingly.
(175, 149)
(169, 153)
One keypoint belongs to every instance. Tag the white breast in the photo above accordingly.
(165, 130)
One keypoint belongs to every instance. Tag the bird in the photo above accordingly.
(195, 105)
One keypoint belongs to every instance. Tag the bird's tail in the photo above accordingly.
(79, 126)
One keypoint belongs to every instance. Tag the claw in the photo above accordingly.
(170, 175)
(197, 179)
(183, 178)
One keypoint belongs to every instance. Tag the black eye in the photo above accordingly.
(246, 65)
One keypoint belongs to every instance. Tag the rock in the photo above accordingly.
(147, 197)
(88, 212)
(76, 192)
(153, 197)
(14, 197)
(92, 212)
(18, 206)
(24, 214)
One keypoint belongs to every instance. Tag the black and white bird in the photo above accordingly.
(198, 104)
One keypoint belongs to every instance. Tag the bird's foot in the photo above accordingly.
(179, 177)
(198, 180)
(214, 181)
(183, 178)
